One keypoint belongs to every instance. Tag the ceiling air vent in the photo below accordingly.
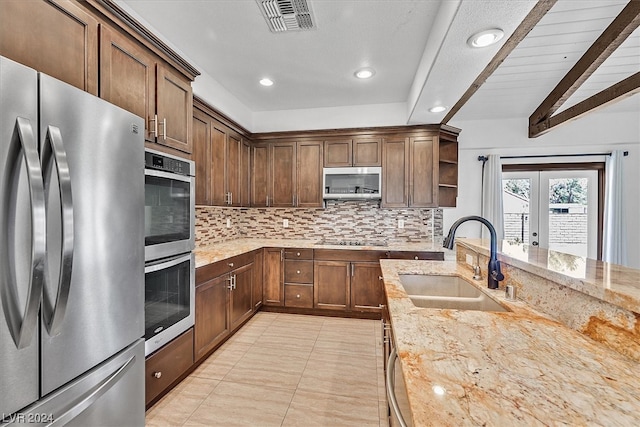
(287, 15)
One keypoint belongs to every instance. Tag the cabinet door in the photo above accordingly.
(395, 171)
(201, 155)
(282, 176)
(273, 284)
(240, 307)
(259, 175)
(337, 153)
(309, 165)
(128, 76)
(258, 278)
(367, 152)
(218, 164)
(245, 174)
(367, 293)
(56, 37)
(234, 150)
(212, 316)
(331, 284)
(423, 180)
(174, 108)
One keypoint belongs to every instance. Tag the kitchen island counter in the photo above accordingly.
(503, 368)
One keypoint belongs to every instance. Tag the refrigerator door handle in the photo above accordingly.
(87, 399)
(23, 327)
(53, 153)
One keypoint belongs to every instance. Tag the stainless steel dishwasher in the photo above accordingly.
(399, 410)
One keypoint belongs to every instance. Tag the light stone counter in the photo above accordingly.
(518, 368)
(612, 283)
(221, 251)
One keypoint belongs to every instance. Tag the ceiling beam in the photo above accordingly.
(619, 91)
(531, 20)
(612, 37)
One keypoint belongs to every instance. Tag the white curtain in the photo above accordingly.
(492, 196)
(614, 240)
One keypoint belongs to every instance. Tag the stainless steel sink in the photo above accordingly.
(453, 292)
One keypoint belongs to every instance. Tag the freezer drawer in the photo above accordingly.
(111, 394)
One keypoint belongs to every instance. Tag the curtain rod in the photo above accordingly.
(485, 158)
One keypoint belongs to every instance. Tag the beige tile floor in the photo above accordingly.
(285, 370)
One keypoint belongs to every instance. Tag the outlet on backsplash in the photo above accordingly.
(228, 222)
(401, 223)
(285, 223)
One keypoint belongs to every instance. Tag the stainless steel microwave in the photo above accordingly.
(169, 208)
(352, 183)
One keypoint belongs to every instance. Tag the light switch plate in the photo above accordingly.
(401, 223)
(228, 222)
(285, 223)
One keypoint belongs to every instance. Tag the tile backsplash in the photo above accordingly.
(340, 220)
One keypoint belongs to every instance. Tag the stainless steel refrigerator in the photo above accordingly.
(71, 255)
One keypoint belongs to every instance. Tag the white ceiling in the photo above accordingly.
(417, 47)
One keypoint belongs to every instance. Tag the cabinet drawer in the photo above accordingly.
(298, 296)
(298, 271)
(167, 364)
(298, 253)
(211, 271)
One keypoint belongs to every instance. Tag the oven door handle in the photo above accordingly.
(168, 175)
(150, 267)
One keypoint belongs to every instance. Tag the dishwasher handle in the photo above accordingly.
(391, 383)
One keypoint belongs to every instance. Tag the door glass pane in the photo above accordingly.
(568, 215)
(516, 196)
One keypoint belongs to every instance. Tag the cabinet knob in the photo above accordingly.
(230, 264)
(415, 257)
(298, 296)
(298, 271)
(379, 277)
(298, 254)
(157, 374)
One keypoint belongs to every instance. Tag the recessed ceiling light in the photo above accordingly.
(437, 109)
(486, 38)
(266, 82)
(364, 73)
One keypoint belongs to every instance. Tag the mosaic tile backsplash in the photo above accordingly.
(340, 220)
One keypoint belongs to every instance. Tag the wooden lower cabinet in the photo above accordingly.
(224, 300)
(166, 365)
(273, 285)
(240, 304)
(331, 284)
(212, 323)
(367, 293)
(258, 273)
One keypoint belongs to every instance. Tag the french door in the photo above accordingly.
(555, 209)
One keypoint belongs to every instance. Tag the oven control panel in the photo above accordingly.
(153, 160)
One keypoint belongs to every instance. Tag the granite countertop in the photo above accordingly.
(221, 251)
(512, 368)
(608, 282)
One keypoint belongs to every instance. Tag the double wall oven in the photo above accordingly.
(169, 236)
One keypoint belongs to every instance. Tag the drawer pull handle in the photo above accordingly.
(230, 264)
(157, 374)
(298, 296)
(379, 277)
(298, 271)
(298, 253)
(415, 257)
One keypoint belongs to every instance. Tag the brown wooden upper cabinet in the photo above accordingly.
(134, 78)
(287, 174)
(58, 38)
(410, 171)
(347, 152)
(222, 163)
